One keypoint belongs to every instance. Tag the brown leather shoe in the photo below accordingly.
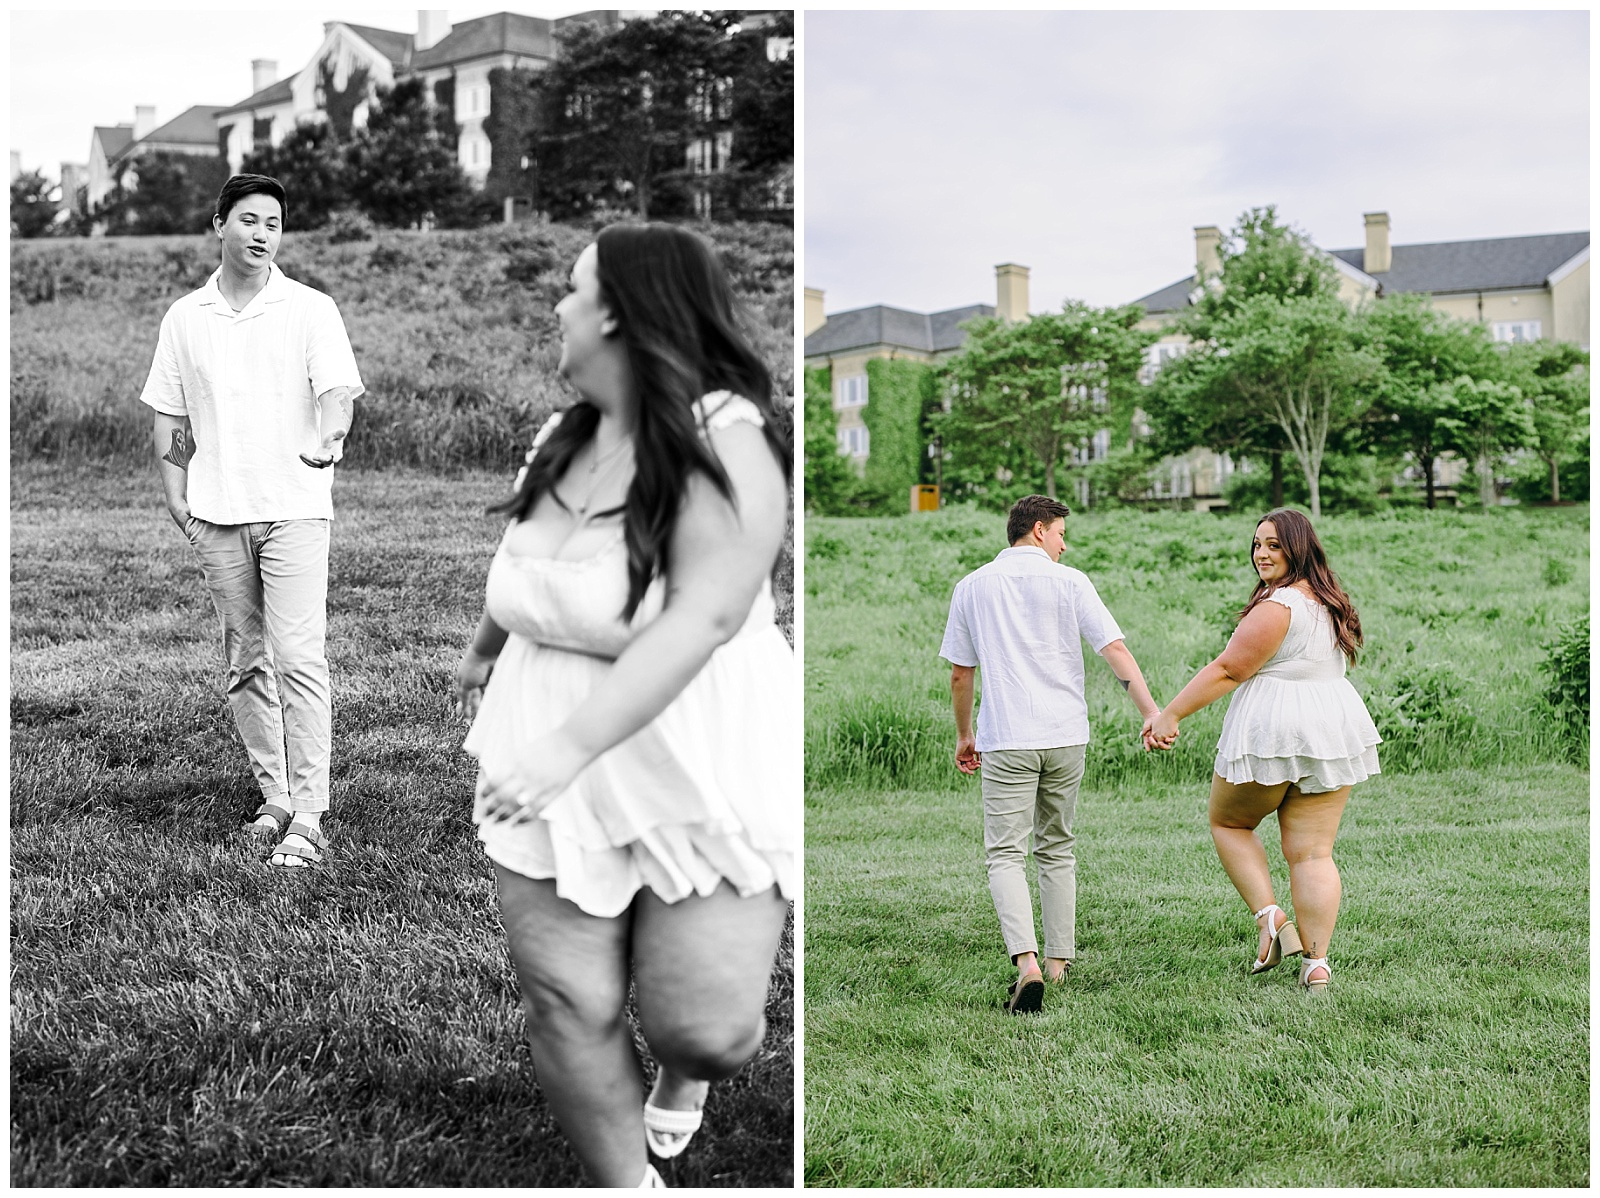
(1027, 996)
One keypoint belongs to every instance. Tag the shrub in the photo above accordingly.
(1566, 665)
(348, 224)
(1421, 713)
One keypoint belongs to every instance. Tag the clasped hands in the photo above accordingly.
(1160, 731)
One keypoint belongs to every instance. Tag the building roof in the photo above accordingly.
(501, 33)
(195, 125)
(280, 92)
(113, 139)
(1492, 264)
(1495, 264)
(882, 325)
(398, 48)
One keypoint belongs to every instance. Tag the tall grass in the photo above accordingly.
(1458, 609)
(454, 333)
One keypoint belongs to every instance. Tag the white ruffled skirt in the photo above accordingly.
(707, 792)
(1313, 732)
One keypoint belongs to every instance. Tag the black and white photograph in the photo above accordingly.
(405, 711)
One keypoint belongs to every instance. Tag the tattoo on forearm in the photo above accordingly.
(1126, 682)
(182, 447)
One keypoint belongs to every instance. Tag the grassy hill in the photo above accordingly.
(454, 332)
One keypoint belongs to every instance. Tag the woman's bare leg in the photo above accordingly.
(1235, 810)
(1308, 825)
(573, 968)
(701, 967)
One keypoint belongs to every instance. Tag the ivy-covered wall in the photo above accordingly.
(830, 481)
(899, 393)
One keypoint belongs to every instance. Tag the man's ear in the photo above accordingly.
(216, 225)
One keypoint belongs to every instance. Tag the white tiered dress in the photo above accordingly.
(705, 793)
(1298, 719)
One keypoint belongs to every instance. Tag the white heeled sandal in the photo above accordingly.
(1308, 966)
(652, 1180)
(1285, 941)
(668, 1132)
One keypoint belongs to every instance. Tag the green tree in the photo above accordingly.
(1422, 352)
(1487, 417)
(403, 167)
(33, 208)
(829, 479)
(311, 164)
(1044, 386)
(1553, 377)
(163, 191)
(621, 107)
(1273, 344)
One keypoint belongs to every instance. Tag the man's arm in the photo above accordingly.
(1127, 671)
(962, 687)
(173, 437)
(338, 410)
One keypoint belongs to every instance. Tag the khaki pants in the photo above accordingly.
(269, 583)
(1033, 790)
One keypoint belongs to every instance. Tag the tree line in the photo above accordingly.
(607, 128)
(1277, 370)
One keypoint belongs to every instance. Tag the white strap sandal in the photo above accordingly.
(668, 1132)
(652, 1180)
(1310, 965)
(1285, 941)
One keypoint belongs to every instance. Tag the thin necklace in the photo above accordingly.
(614, 454)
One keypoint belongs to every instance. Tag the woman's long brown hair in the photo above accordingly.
(1306, 562)
(680, 323)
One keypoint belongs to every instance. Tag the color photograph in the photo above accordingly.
(405, 747)
(1196, 598)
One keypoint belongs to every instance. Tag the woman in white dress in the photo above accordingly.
(632, 704)
(1295, 739)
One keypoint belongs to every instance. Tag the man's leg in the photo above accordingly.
(294, 582)
(1060, 773)
(1010, 790)
(233, 576)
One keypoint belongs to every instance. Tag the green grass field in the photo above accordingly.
(1454, 1047)
(182, 1014)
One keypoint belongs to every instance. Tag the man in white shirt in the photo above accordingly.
(254, 385)
(1019, 619)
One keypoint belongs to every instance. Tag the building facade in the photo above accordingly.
(114, 148)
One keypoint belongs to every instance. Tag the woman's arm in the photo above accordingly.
(720, 556)
(477, 663)
(1255, 641)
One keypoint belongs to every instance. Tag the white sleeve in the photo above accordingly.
(1094, 620)
(958, 648)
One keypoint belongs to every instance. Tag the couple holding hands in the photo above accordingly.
(1295, 739)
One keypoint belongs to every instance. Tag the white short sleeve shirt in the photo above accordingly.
(248, 382)
(1020, 620)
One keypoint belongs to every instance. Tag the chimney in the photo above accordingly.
(1377, 260)
(144, 121)
(1207, 251)
(263, 74)
(1011, 292)
(814, 317)
(433, 26)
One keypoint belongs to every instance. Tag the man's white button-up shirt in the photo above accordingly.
(1019, 619)
(248, 381)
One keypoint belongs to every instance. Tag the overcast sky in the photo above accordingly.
(72, 70)
(1088, 145)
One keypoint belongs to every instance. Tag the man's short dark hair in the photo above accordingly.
(1028, 511)
(239, 186)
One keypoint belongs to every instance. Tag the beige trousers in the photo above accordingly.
(269, 583)
(1033, 790)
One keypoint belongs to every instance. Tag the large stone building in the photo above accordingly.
(453, 60)
(846, 341)
(113, 147)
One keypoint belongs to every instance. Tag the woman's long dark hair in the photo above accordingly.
(676, 315)
(1305, 561)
